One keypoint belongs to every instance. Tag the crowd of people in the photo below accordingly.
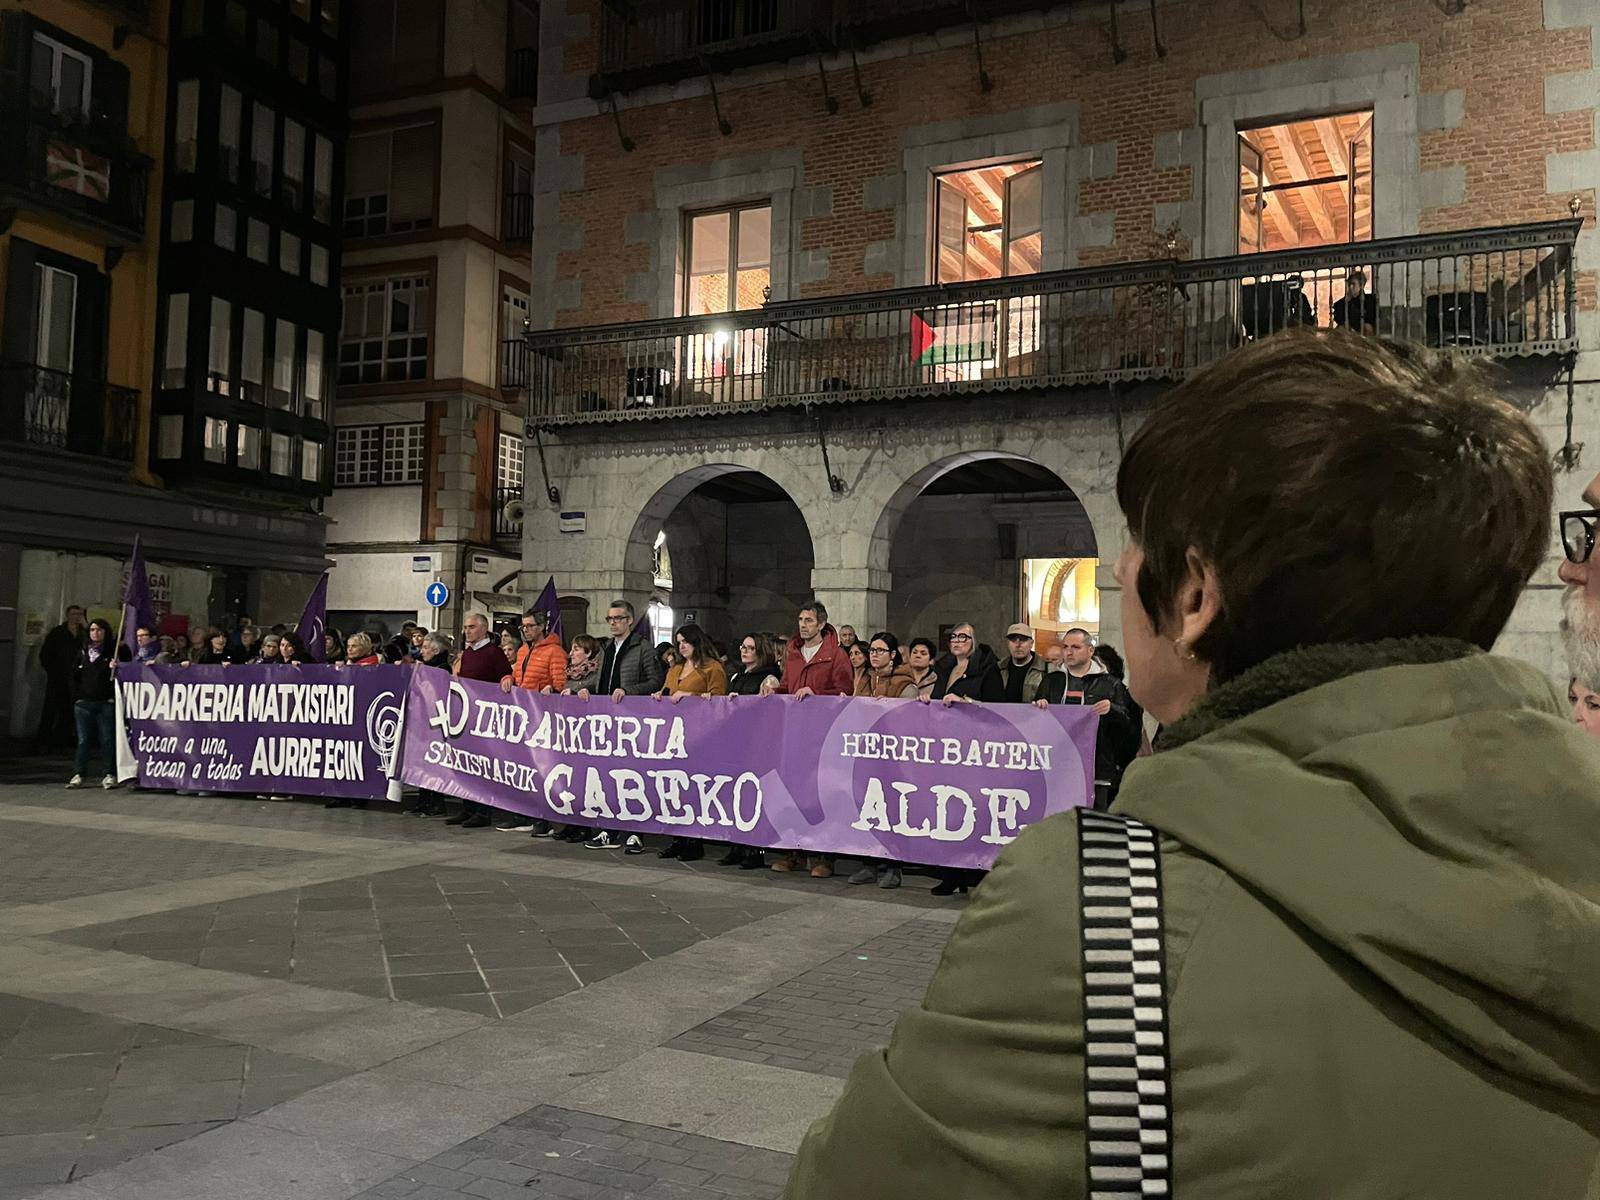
(816, 659)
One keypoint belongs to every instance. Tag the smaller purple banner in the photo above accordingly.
(891, 779)
(306, 730)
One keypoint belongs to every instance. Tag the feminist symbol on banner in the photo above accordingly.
(383, 726)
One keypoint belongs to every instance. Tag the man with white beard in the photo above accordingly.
(1580, 616)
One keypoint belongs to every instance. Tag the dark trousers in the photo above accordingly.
(97, 722)
(56, 719)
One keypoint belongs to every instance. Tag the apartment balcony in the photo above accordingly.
(56, 410)
(513, 364)
(86, 171)
(516, 219)
(1499, 293)
(646, 42)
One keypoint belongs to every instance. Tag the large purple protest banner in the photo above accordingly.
(306, 730)
(890, 779)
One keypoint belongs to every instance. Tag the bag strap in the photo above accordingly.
(1127, 1073)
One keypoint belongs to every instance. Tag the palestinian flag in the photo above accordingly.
(964, 333)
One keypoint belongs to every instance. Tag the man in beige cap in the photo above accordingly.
(1022, 674)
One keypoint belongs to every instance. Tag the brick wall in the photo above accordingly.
(1482, 109)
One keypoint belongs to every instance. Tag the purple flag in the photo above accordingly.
(550, 605)
(314, 621)
(136, 607)
(641, 627)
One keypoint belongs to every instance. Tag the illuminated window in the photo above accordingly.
(1062, 593)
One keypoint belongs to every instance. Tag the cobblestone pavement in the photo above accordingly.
(207, 997)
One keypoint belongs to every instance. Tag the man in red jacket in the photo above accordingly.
(816, 665)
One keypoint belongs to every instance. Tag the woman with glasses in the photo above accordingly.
(883, 678)
(756, 666)
(962, 673)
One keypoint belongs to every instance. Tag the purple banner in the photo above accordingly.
(890, 779)
(307, 730)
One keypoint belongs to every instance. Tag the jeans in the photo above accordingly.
(96, 721)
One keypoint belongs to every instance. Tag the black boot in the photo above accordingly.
(734, 857)
(693, 850)
(672, 849)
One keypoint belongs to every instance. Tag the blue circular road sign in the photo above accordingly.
(437, 594)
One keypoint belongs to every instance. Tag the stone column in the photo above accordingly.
(856, 596)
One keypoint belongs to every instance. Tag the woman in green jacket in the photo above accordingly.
(1378, 845)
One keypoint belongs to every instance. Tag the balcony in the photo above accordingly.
(513, 364)
(1503, 292)
(661, 41)
(516, 220)
(55, 410)
(522, 74)
(86, 171)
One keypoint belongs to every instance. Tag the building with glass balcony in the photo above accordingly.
(864, 299)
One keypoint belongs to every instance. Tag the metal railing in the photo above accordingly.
(516, 223)
(1501, 292)
(503, 526)
(83, 168)
(656, 41)
(513, 364)
(57, 410)
(522, 74)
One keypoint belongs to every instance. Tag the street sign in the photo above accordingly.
(574, 522)
(437, 594)
(421, 564)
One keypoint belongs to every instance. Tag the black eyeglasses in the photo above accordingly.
(1577, 533)
(878, 649)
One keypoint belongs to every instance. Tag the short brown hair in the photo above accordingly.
(1344, 489)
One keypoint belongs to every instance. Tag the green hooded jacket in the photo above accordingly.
(1381, 871)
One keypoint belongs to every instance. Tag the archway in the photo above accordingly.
(724, 546)
(991, 538)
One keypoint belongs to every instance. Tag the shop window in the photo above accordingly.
(384, 338)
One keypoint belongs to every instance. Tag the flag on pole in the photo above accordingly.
(136, 607)
(549, 604)
(641, 627)
(314, 621)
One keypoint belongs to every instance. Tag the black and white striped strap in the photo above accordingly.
(1127, 1077)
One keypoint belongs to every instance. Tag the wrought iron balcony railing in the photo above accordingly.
(81, 168)
(1498, 292)
(517, 218)
(644, 42)
(522, 75)
(513, 364)
(60, 411)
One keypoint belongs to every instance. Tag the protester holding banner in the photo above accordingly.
(93, 685)
(628, 667)
(697, 673)
(147, 646)
(434, 654)
(481, 659)
(814, 665)
(268, 649)
(919, 662)
(539, 663)
(883, 678)
(964, 672)
(756, 666)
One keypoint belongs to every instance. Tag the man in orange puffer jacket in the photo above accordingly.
(541, 663)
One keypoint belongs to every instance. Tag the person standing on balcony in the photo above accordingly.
(58, 656)
(1355, 310)
(814, 665)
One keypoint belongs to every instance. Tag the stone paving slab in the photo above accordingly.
(80, 1092)
(47, 862)
(477, 940)
(560, 1152)
(824, 1019)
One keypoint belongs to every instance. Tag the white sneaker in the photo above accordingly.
(75, 782)
(601, 841)
(634, 844)
(109, 782)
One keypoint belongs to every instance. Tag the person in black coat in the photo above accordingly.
(58, 656)
(756, 666)
(436, 654)
(94, 709)
(967, 670)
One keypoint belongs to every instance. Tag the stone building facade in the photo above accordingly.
(1469, 116)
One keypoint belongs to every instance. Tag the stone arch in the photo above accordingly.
(722, 566)
(895, 505)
